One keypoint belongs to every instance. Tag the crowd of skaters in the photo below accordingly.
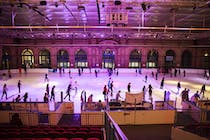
(107, 88)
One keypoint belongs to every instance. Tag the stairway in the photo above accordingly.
(184, 118)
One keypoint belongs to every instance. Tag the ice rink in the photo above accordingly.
(34, 83)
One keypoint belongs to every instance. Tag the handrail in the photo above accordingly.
(115, 125)
(108, 27)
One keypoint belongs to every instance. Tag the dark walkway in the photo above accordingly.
(147, 132)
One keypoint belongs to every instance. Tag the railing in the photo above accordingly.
(113, 131)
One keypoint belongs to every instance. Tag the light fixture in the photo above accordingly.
(117, 2)
(43, 2)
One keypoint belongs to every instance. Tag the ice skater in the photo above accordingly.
(203, 89)
(19, 86)
(46, 78)
(48, 89)
(83, 99)
(105, 92)
(184, 73)
(4, 91)
(129, 87)
(68, 91)
(96, 73)
(144, 92)
(162, 83)
(178, 87)
(25, 97)
(156, 76)
(46, 99)
(17, 100)
(111, 88)
(145, 79)
(118, 96)
(150, 90)
(52, 93)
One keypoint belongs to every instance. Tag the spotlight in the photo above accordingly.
(43, 2)
(143, 5)
(117, 2)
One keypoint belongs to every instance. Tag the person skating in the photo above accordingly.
(4, 91)
(150, 90)
(162, 83)
(52, 93)
(25, 97)
(129, 87)
(19, 86)
(46, 78)
(68, 91)
(48, 89)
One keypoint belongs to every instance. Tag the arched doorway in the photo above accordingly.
(63, 59)
(206, 59)
(44, 58)
(170, 58)
(186, 59)
(108, 59)
(152, 59)
(27, 57)
(5, 59)
(135, 59)
(81, 59)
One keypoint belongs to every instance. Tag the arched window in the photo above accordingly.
(63, 59)
(81, 59)
(152, 58)
(44, 58)
(5, 59)
(108, 59)
(206, 59)
(186, 59)
(27, 57)
(170, 58)
(135, 59)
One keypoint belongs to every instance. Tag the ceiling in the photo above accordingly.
(137, 19)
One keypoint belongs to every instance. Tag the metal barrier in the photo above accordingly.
(113, 131)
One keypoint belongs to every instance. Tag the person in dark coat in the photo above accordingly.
(4, 91)
(19, 85)
(25, 97)
(52, 93)
(162, 83)
(129, 87)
